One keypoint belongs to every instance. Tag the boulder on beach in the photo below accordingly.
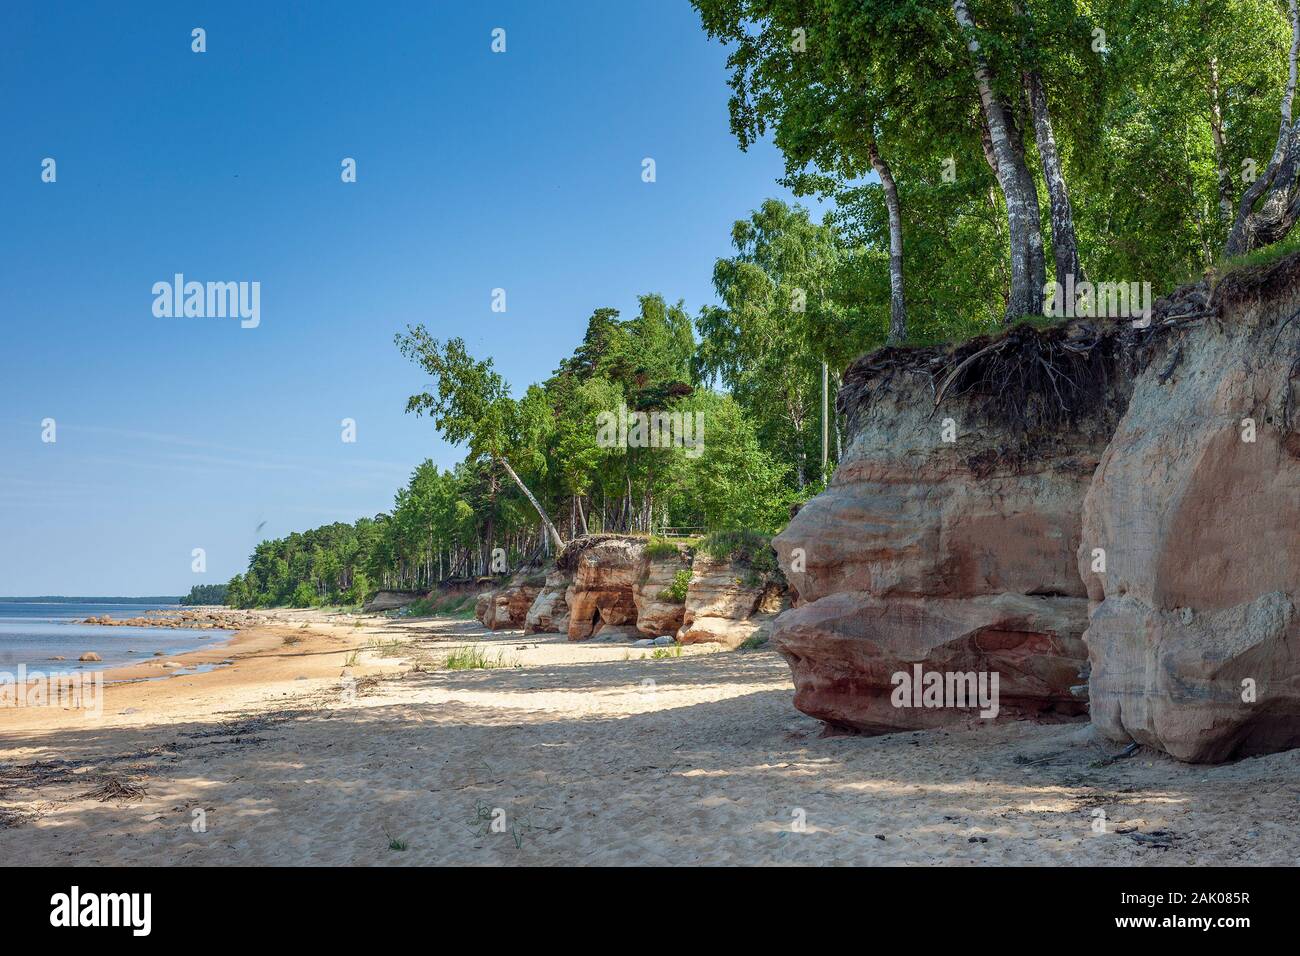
(389, 600)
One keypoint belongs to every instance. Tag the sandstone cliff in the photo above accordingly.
(550, 610)
(508, 606)
(604, 570)
(659, 608)
(728, 602)
(949, 532)
(617, 586)
(1189, 536)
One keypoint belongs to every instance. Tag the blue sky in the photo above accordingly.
(476, 170)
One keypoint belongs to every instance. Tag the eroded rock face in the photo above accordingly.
(388, 600)
(722, 604)
(605, 570)
(509, 606)
(482, 604)
(1197, 603)
(619, 591)
(549, 613)
(951, 554)
(845, 649)
(658, 612)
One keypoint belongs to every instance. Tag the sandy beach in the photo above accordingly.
(335, 739)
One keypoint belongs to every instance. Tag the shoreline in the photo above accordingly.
(174, 626)
(255, 654)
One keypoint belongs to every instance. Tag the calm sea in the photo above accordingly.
(34, 634)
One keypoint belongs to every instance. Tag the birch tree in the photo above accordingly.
(470, 404)
(1270, 205)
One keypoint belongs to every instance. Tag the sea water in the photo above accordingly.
(34, 633)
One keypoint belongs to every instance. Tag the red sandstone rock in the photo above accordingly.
(845, 649)
(605, 570)
(549, 612)
(658, 612)
(1197, 603)
(508, 607)
(953, 554)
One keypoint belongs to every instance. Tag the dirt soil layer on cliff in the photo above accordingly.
(594, 753)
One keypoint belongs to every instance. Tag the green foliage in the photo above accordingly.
(751, 549)
(1261, 256)
(1128, 88)
(783, 314)
(666, 653)
(677, 591)
(207, 594)
(424, 607)
(304, 596)
(660, 548)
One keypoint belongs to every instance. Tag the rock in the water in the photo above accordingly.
(90, 656)
(1194, 636)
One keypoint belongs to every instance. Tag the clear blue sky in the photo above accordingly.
(475, 170)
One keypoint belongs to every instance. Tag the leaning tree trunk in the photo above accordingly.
(582, 516)
(1248, 225)
(550, 528)
(897, 307)
(1065, 246)
(1023, 297)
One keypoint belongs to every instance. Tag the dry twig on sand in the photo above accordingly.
(115, 788)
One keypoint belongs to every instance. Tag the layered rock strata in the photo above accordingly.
(1190, 530)
(947, 538)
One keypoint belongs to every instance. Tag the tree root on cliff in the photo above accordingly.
(1031, 379)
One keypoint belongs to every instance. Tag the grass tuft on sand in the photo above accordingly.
(474, 658)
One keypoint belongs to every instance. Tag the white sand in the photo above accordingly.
(595, 754)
